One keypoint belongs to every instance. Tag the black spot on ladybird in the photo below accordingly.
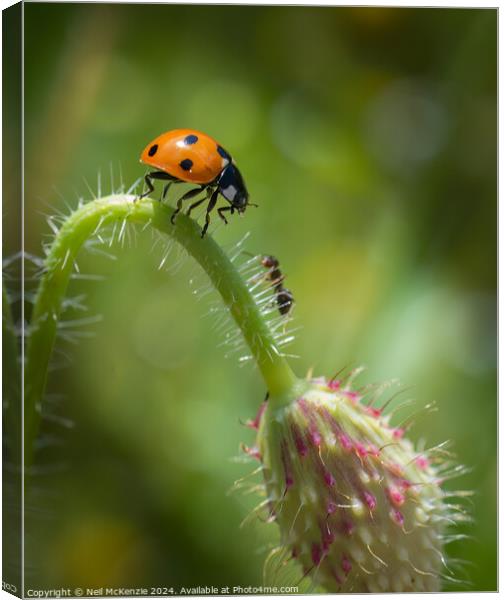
(153, 150)
(186, 164)
(223, 153)
(190, 139)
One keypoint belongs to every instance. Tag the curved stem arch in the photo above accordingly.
(81, 225)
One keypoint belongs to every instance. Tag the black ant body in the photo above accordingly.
(284, 297)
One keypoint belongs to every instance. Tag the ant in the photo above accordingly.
(284, 297)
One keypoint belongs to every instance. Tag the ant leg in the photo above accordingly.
(210, 207)
(154, 175)
(224, 209)
(186, 196)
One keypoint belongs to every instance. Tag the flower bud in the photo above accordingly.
(355, 504)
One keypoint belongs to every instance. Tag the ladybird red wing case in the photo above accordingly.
(186, 154)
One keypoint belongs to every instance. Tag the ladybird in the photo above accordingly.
(189, 156)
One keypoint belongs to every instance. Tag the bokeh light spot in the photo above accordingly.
(226, 109)
(117, 111)
(405, 125)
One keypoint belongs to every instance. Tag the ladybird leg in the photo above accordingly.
(186, 196)
(150, 187)
(224, 209)
(148, 180)
(198, 202)
(210, 207)
(165, 190)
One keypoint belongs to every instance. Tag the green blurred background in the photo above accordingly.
(368, 137)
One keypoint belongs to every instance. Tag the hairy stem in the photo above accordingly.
(83, 224)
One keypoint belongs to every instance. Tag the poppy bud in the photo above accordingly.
(355, 504)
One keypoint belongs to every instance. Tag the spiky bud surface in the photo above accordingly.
(356, 505)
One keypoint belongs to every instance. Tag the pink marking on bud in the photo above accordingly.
(396, 496)
(329, 479)
(397, 433)
(397, 516)
(316, 554)
(370, 500)
(347, 526)
(373, 450)
(334, 573)
(253, 452)
(404, 484)
(422, 462)
(303, 405)
(334, 384)
(374, 412)
(327, 538)
(254, 424)
(346, 565)
(298, 441)
(289, 480)
(352, 396)
(331, 508)
(315, 436)
(345, 442)
(361, 450)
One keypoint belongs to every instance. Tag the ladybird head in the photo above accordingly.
(232, 187)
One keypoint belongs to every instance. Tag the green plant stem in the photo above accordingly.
(82, 225)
